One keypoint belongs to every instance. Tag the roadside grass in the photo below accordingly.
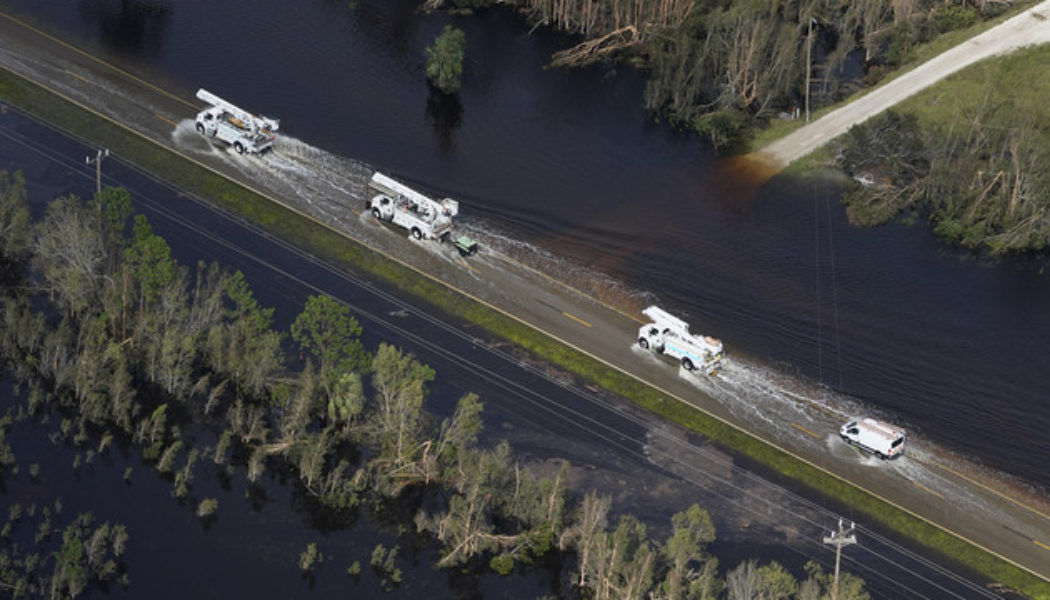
(310, 235)
(1011, 87)
(778, 128)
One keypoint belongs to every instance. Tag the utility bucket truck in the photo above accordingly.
(883, 439)
(669, 335)
(235, 126)
(405, 207)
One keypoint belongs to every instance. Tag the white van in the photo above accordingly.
(885, 440)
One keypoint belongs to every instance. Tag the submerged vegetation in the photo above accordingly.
(445, 59)
(972, 159)
(104, 328)
(721, 68)
(58, 562)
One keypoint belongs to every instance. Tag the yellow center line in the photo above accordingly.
(924, 488)
(992, 490)
(459, 260)
(804, 430)
(577, 319)
(1041, 544)
(166, 119)
(98, 60)
(77, 75)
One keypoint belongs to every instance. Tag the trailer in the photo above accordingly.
(670, 336)
(878, 437)
(423, 217)
(235, 126)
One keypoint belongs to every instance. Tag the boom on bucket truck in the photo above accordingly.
(235, 126)
(669, 335)
(405, 207)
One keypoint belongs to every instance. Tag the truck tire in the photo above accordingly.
(416, 233)
(200, 128)
(239, 147)
(644, 343)
(378, 215)
(687, 364)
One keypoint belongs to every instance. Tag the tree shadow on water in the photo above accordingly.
(445, 114)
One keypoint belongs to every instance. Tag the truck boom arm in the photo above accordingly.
(666, 320)
(253, 122)
(389, 186)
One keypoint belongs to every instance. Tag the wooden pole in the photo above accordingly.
(809, 61)
(840, 538)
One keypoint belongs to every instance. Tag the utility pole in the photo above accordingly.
(809, 61)
(839, 538)
(97, 161)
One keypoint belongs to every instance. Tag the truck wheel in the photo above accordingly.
(239, 148)
(416, 233)
(659, 349)
(200, 128)
(880, 455)
(644, 343)
(687, 364)
(378, 215)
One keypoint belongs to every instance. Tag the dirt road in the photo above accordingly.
(1032, 27)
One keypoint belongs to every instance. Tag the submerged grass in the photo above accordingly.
(308, 234)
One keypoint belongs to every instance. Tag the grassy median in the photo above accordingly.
(322, 241)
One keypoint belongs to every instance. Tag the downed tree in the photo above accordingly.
(589, 51)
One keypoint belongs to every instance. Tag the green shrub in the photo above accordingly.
(445, 59)
(502, 564)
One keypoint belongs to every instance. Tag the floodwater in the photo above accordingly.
(950, 346)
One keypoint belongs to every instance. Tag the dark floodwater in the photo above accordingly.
(249, 550)
(951, 346)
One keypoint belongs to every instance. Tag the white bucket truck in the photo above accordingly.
(235, 126)
(669, 335)
(882, 439)
(405, 207)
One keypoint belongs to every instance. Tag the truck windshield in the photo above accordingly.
(897, 442)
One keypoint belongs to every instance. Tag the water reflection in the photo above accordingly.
(128, 26)
(392, 26)
(445, 114)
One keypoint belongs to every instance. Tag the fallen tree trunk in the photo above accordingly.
(589, 51)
